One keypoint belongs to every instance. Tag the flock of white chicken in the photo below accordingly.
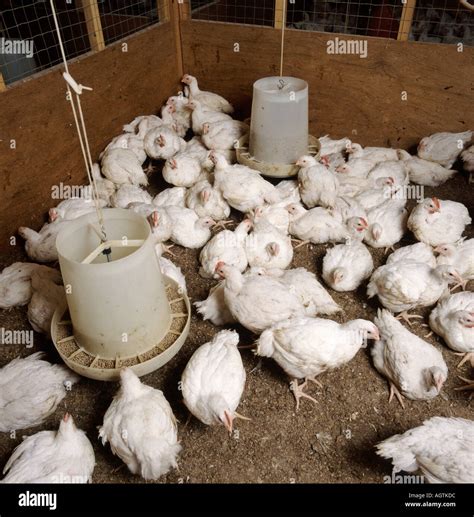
(352, 196)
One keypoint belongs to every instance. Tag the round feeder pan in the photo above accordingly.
(274, 170)
(108, 369)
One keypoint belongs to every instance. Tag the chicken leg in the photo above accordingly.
(298, 392)
(394, 391)
(469, 356)
(301, 243)
(407, 317)
(469, 386)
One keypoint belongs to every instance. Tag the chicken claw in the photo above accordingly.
(298, 392)
(407, 317)
(394, 391)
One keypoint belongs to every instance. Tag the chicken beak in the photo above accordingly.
(377, 335)
(53, 215)
(364, 222)
(66, 417)
(228, 421)
(436, 203)
(439, 383)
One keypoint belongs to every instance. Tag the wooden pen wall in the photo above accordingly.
(36, 116)
(399, 93)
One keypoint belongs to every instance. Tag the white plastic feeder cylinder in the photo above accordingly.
(118, 308)
(279, 123)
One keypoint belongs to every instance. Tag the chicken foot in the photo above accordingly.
(469, 356)
(407, 317)
(298, 392)
(394, 391)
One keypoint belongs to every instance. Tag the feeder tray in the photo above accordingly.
(274, 170)
(108, 368)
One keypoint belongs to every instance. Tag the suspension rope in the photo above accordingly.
(80, 125)
(282, 46)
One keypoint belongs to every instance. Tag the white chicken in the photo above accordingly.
(211, 100)
(387, 224)
(41, 246)
(395, 169)
(48, 295)
(73, 208)
(173, 196)
(223, 134)
(214, 379)
(330, 146)
(127, 194)
(226, 246)
(128, 141)
(460, 255)
(437, 221)
(414, 368)
(306, 347)
(162, 143)
(168, 115)
(453, 320)
(356, 168)
(289, 191)
(15, 283)
(243, 188)
(182, 170)
(314, 297)
(170, 269)
(122, 166)
(181, 114)
(372, 197)
(105, 187)
(440, 450)
(160, 222)
(142, 124)
(214, 308)
(443, 148)
(318, 225)
(141, 428)
(318, 185)
(424, 172)
(376, 154)
(402, 286)
(268, 247)
(62, 456)
(346, 266)
(31, 390)
(201, 115)
(257, 302)
(207, 201)
(419, 252)
(276, 215)
(468, 161)
(187, 229)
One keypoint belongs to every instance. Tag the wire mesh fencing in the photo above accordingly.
(439, 21)
(28, 40)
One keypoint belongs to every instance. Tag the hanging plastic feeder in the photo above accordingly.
(278, 128)
(121, 311)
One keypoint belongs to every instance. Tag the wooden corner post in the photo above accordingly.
(94, 26)
(406, 20)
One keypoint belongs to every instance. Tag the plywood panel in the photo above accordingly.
(36, 115)
(348, 94)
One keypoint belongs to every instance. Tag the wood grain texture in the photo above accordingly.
(361, 98)
(37, 116)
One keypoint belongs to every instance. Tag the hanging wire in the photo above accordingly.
(282, 46)
(81, 128)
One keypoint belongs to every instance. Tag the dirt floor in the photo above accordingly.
(331, 442)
